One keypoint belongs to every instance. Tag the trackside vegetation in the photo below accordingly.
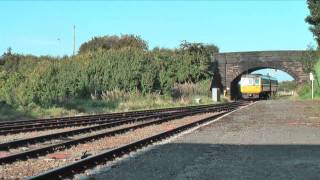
(109, 73)
(313, 61)
(305, 90)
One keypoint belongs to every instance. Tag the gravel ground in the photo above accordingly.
(31, 167)
(23, 135)
(268, 140)
(56, 141)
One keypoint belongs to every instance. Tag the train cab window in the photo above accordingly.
(243, 82)
(250, 82)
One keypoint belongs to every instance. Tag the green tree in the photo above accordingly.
(309, 59)
(113, 42)
(314, 19)
(199, 48)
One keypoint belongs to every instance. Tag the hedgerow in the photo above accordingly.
(47, 81)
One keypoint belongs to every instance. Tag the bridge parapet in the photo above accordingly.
(234, 57)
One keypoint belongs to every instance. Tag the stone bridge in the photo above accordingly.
(232, 65)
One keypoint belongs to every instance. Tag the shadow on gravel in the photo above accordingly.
(219, 161)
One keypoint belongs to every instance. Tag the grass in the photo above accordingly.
(84, 107)
(304, 91)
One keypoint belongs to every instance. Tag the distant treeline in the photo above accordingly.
(103, 64)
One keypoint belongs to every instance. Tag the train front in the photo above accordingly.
(250, 86)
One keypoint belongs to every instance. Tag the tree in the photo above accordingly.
(5, 56)
(9, 51)
(113, 42)
(314, 19)
(199, 48)
(309, 59)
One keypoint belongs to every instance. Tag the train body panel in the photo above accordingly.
(251, 89)
(257, 86)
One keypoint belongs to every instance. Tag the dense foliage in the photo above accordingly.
(310, 59)
(287, 86)
(304, 91)
(46, 81)
(113, 42)
(314, 19)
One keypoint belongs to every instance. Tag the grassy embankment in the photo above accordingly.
(302, 92)
(305, 90)
(114, 101)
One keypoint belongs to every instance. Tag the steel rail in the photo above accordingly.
(79, 166)
(71, 122)
(56, 125)
(38, 139)
(74, 118)
(43, 138)
(64, 145)
(119, 114)
(99, 126)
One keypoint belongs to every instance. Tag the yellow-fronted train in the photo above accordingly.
(257, 86)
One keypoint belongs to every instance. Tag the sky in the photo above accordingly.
(46, 27)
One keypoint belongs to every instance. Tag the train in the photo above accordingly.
(257, 86)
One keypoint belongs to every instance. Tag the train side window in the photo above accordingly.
(250, 82)
(257, 81)
(267, 81)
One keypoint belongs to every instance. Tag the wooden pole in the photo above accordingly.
(74, 39)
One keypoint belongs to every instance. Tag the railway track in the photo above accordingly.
(83, 164)
(99, 116)
(38, 139)
(60, 146)
(55, 123)
(108, 124)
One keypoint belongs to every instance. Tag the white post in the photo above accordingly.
(215, 94)
(312, 89)
(311, 78)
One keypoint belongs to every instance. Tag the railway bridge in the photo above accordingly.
(232, 65)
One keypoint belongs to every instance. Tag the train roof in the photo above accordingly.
(259, 75)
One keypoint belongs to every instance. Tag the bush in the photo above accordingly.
(201, 88)
(287, 86)
(113, 42)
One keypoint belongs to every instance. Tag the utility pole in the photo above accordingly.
(74, 39)
(58, 47)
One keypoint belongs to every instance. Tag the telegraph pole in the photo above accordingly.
(74, 39)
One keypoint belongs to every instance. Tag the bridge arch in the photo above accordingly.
(234, 87)
(232, 65)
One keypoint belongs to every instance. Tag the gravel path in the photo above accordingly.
(268, 140)
(31, 167)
